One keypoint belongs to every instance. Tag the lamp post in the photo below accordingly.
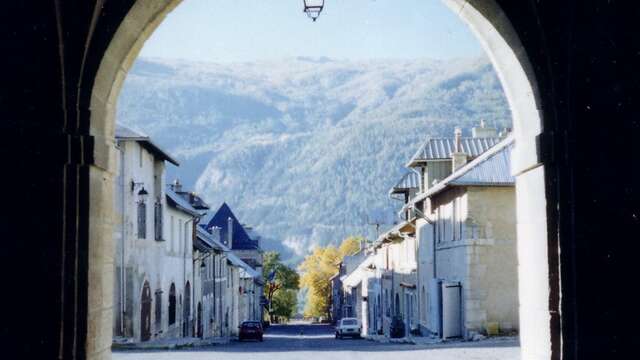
(313, 8)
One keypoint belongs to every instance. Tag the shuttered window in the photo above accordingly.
(158, 221)
(142, 220)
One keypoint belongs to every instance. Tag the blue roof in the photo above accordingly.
(179, 202)
(125, 134)
(410, 180)
(210, 239)
(441, 148)
(241, 240)
(492, 168)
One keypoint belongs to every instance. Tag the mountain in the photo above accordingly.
(303, 149)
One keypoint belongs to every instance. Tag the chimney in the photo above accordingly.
(230, 232)
(176, 186)
(458, 156)
(504, 133)
(483, 131)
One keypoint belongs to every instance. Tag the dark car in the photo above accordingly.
(250, 330)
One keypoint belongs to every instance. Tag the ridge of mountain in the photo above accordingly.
(305, 149)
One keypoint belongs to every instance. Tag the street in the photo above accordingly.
(310, 341)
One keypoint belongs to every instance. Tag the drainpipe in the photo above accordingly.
(123, 288)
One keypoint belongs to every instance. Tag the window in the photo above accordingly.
(158, 221)
(142, 220)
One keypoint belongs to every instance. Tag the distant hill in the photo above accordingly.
(305, 150)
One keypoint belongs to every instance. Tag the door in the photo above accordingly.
(199, 321)
(186, 315)
(451, 310)
(145, 313)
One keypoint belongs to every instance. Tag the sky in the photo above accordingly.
(253, 30)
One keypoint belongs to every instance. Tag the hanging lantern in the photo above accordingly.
(313, 8)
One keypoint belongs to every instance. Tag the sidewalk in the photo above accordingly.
(166, 344)
(427, 340)
(415, 340)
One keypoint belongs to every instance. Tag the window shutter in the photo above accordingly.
(158, 221)
(142, 220)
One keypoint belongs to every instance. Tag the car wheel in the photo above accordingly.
(260, 338)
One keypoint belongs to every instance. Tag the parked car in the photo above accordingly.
(348, 327)
(250, 330)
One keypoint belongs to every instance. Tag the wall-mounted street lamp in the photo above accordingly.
(142, 194)
(313, 8)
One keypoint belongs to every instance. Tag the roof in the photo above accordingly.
(410, 180)
(196, 201)
(177, 201)
(355, 277)
(396, 231)
(209, 239)
(125, 134)
(441, 148)
(235, 260)
(241, 240)
(493, 168)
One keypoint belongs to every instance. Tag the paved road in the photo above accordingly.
(316, 342)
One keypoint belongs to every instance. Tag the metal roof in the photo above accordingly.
(209, 239)
(238, 262)
(410, 180)
(403, 227)
(441, 148)
(493, 168)
(233, 258)
(125, 134)
(181, 203)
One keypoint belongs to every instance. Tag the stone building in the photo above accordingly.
(153, 245)
(466, 227)
(244, 243)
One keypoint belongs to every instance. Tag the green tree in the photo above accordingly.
(284, 304)
(280, 279)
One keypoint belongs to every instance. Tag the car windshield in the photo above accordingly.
(251, 324)
(350, 322)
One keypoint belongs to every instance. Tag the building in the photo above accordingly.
(244, 243)
(466, 226)
(152, 258)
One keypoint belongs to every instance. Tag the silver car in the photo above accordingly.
(348, 327)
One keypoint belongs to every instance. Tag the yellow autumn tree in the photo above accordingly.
(350, 246)
(316, 270)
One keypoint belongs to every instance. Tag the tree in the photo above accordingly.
(317, 270)
(284, 304)
(350, 245)
(279, 279)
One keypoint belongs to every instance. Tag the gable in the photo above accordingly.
(241, 239)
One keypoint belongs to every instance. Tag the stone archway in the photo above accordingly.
(539, 285)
